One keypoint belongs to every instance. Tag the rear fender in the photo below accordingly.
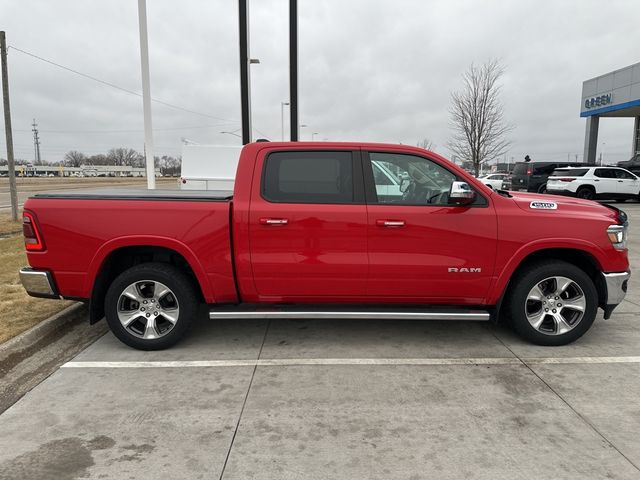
(154, 241)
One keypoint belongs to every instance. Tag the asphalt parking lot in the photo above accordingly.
(286, 399)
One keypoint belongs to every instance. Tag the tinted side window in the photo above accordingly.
(544, 169)
(420, 181)
(624, 175)
(308, 177)
(574, 172)
(604, 173)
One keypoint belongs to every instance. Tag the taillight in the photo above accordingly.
(32, 238)
(529, 171)
(566, 179)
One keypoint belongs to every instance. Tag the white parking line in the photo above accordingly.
(282, 362)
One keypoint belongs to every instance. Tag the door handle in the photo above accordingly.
(390, 223)
(619, 181)
(273, 221)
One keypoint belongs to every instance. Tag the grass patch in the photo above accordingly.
(19, 311)
(7, 225)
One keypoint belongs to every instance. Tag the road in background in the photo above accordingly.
(29, 186)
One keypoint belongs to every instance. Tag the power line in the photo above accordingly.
(117, 87)
(133, 131)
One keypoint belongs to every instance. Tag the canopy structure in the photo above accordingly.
(614, 94)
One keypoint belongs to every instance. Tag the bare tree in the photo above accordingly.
(477, 116)
(98, 159)
(74, 158)
(169, 165)
(426, 144)
(125, 156)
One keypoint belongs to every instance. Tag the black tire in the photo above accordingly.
(542, 188)
(181, 296)
(586, 193)
(489, 186)
(527, 279)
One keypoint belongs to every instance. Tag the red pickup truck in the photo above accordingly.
(329, 230)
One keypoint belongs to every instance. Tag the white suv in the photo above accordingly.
(610, 183)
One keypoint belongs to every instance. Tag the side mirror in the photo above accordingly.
(461, 194)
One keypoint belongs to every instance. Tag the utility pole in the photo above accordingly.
(7, 128)
(36, 142)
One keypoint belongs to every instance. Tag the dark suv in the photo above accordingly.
(633, 164)
(532, 176)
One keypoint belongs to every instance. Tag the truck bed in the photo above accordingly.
(139, 194)
(82, 228)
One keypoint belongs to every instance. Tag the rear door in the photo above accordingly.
(308, 225)
(421, 247)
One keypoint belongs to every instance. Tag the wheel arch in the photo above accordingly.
(586, 186)
(581, 258)
(117, 256)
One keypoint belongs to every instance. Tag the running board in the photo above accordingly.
(444, 314)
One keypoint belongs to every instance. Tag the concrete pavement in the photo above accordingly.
(340, 400)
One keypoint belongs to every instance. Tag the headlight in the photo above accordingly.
(618, 236)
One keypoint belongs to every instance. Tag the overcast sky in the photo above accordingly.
(369, 70)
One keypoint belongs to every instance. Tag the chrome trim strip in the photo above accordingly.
(471, 315)
(615, 283)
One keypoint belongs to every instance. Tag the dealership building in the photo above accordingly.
(615, 94)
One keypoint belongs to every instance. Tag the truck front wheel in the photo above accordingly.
(150, 306)
(552, 303)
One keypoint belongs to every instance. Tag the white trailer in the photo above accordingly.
(209, 167)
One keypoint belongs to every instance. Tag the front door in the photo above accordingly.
(606, 182)
(628, 183)
(421, 247)
(308, 226)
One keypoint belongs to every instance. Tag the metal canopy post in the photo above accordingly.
(293, 69)
(245, 102)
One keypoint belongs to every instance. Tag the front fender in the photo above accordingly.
(504, 276)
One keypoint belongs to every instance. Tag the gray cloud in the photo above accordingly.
(370, 70)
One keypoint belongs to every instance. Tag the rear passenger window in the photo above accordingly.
(605, 173)
(308, 177)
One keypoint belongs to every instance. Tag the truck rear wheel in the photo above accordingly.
(150, 306)
(552, 303)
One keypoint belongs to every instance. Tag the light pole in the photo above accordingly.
(233, 133)
(313, 136)
(301, 127)
(282, 104)
(146, 95)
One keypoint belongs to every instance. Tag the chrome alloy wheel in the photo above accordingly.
(555, 305)
(148, 309)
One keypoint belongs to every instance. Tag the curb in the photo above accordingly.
(39, 331)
